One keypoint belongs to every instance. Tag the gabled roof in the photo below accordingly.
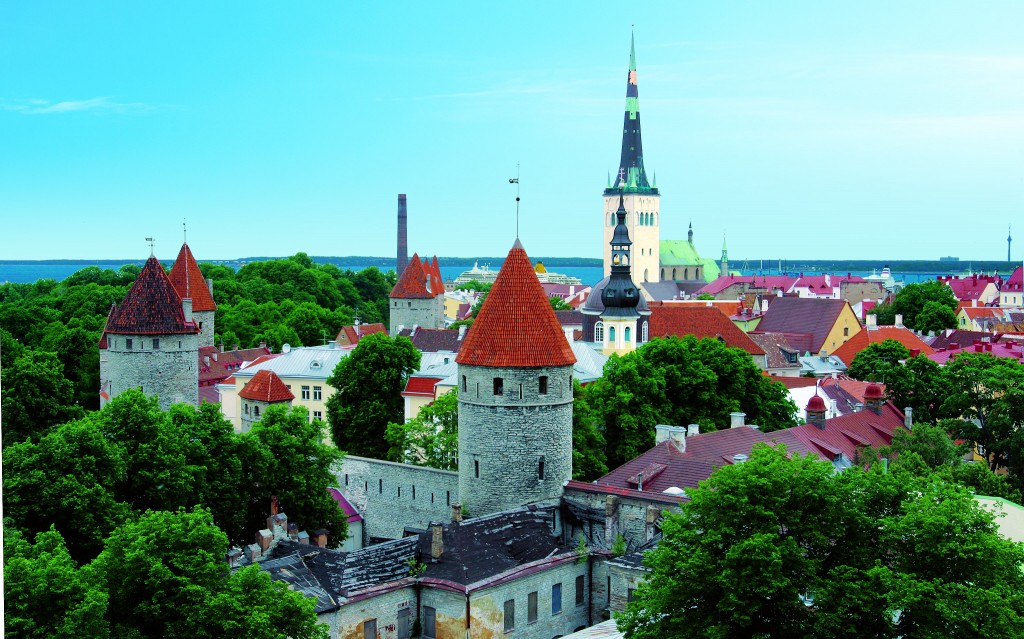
(997, 349)
(433, 340)
(700, 321)
(775, 346)
(864, 338)
(1015, 281)
(266, 386)
(151, 307)
(760, 282)
(216, 365)
(812, 316)
(420, 386)
(414, 282)
(188, 281)
(516, 326)
(969, 288)
(352, 334)
(959, 337)
(974, 312)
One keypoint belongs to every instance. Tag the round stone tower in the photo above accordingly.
(264, 390)
(515, 396)
(151, 342)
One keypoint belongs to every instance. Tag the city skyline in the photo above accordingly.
(793, 130)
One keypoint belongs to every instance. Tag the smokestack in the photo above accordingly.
(403, 235)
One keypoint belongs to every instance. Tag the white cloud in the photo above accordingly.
(98, 105)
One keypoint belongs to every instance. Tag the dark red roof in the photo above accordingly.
(266, 386)
(816, 403)
(802, 315)
(352, 334)
(864, 338)
(216, 366)
(413, 283)
(699, 321)
(433, 340)
(151, 307)
(420, 386)
(516, 326)
(189, 283)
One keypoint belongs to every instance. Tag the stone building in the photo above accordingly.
(151, 342)
(418, 297)
(264, 390)
(515, 396)
(189, 283)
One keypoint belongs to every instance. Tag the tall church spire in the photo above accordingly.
(631, 175)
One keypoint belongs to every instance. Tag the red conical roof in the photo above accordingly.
(266, 386)
(412, 284)
(151, 307)
(189, 283)
(516, 326)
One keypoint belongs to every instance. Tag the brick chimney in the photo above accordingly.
(436, 540)
(737, 419)
(456, 513)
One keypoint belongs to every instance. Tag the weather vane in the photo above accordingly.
(515, 181)
(184, 230)
(150, 240)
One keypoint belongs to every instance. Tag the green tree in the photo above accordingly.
(288, 460)
(36, 396)
(368, 384)
(558, 304)
(588, 444)
(913, 299)
(45, 593)
(474, 285)
(431, 438)
(877, 360)
(934, 317)
(782, 546)
(251, 605)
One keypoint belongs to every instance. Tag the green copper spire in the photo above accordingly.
(609, 182)
(631, 174)
(632, 52)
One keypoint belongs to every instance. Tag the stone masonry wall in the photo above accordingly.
(425, 313)
(855, 292)
(204, 319)
(505, 438)
(392, 496)
(385, 609)
(170, 371)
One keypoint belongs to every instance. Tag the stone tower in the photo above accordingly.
(418, 297)
(639, 196)
(725, 259)
(620, 296)
(515, 396)
(264, 390)
(151, 342)
(189, 283)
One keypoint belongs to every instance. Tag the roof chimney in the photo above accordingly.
(692, 429)
(186, 308)
(209, 285)
(872, 321)
(899, 320)
(908, 417)
(737, 419)
(675, 434)
(436, 540)
(456, 513)
(462, 332)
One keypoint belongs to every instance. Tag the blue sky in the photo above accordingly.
(873, 130)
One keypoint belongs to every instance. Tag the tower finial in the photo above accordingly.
(515, 181)
(632, 50)
(184, 231)
(151, 242)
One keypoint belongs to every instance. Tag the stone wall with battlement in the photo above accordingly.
(391, 496)
(163, 365)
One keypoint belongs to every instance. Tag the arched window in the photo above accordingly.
(626, 334)
(686, 273)
(644, 336)
(599, 332)
(645, 275)
(256, 411)
(673, 274)
(611, 334)
(611, 220)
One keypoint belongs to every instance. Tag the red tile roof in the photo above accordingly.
(700, 321)
(189, 283)
(969, 288)
(796, 382)
(765, 282)
(1015, 282)
(864, 338)
(266, 386)
(151, 307)
(997, 349)
(216, 366)
(420, 386)
(795, 315)
(516, 326)
(433, 340)
(413, 283)
(352, 334)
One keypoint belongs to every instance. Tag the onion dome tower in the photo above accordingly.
(640, 197)
(264, 390)
(189, 283)
(515, 396)
(620, 296)
(151, 342)
(418, 297)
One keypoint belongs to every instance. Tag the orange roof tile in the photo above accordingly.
(861, 340)
(974, 312)
(189, 283)
(413, 282)
(699, 321)
(266, 386)
(516, 326)
(151, 307)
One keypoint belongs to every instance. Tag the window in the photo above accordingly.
(626, 334)
(463, 383)
(556, 599)
(611, 334)
(404, 631)
(540, 468)
(179, 343)
(531, 607)
(370, 629)
(380, 486)
(543, 385)
(429, 622)
(580, 588)
(644, 335)
(305, 392)
(499, 386)
(128, 343)
(317, 393)
(608, 591)
(599, 332)
(156, 344)
(846, 331)
(246, 409)
(256, 411)
(476, 468)
(318, 415)
(510, 615)
(629, 594)
(520, 391)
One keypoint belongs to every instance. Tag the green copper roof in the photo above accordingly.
(679, 253)
(632, 53)
(711, 269)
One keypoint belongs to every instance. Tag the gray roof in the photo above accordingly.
(314, 362)
(292, 570)
(589, 362)
(595, 306)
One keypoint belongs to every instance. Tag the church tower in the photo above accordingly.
(620, 296)
(189, 283)
(725, 259)
(151, 342)
(639, 196)
(515, 396)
